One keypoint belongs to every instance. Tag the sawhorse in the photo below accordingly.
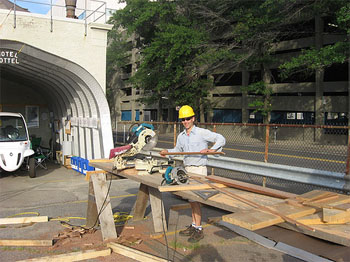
(99, 206)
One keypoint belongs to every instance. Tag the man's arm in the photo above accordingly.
(177, 148)
(216, 138)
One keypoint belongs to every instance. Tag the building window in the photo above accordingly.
(292, 118)
(227, 116)
(150, 115)
(335, 119)
(255, 117)
(137, 115)
(126, 115)
(228, 79)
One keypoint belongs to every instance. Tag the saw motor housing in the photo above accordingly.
(175, 176)
(146, 139)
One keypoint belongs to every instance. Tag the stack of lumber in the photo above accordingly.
(322, 214)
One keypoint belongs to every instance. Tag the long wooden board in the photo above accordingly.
(251, 188)
(23, 220)
(173, 188)
(134, 253)
(25, 242)
(73, 256)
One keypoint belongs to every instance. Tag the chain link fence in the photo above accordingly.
(309, 146)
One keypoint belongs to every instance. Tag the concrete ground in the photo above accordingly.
(61, 194)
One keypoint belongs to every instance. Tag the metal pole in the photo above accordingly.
(267, 143)
(86, 21)
(348, 155)
(124, 135)
(14, 14)
(51, 17)
(174, 134)
(212, 169)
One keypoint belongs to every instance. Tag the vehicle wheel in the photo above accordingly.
(32, 170)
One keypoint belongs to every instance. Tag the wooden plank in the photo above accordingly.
(180, 207)
(158, 213)
(258, 219)
(104, 160)
(335, 215)
(251, 187)
(26, 242)
(194, 153)
(329, 202)
(141, 203)
(23, 220)
(103, 204)
(73, 256)
(314, 195)
(134, 253)
(88, 173)
(91, 213)
(317, 219)
(173, 188)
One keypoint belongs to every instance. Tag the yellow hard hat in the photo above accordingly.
(186, 111)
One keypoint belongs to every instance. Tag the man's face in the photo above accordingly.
(188, 122)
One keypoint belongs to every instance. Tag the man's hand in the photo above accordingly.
(163, 152)
(208, 150)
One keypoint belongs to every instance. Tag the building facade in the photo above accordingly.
(318, 99)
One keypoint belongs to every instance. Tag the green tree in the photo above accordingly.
(168, 41)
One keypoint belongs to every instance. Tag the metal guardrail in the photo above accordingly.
(333, 180)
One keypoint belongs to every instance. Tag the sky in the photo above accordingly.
(38, 7)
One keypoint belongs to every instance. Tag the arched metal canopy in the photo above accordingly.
(71, 93)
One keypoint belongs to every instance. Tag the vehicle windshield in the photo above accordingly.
(12, 128)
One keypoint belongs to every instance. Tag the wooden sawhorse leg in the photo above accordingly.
(99, 190)
(155, 197)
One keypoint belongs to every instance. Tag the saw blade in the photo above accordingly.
(151, 142)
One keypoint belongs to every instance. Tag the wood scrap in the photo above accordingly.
(73, 256)
(23, 220)
(25, 242)
(251, 188)
(134, 253)
(72, 232)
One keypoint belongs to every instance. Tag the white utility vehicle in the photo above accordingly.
(14, 143)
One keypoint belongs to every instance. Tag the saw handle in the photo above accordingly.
(194, 153)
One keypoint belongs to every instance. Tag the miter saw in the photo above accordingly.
(141, 138)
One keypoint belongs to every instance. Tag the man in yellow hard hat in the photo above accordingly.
(195, 139)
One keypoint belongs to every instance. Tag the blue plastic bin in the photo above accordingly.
(86, 166)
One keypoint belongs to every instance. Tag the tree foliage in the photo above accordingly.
(338, 14)
(168, 42)
(182, 41)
